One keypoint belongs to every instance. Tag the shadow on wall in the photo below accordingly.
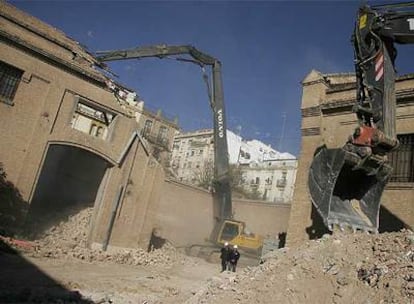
(23, 282)
(156, 241)
(282, 239)
(318, 228)
(388, 222)
(12, 206)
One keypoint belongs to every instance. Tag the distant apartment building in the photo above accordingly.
(157, 128)
(273, 179)
(266, 172)
(192, 154)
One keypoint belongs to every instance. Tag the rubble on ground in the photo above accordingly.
(340, 268)
(69, 240)
(353, 268)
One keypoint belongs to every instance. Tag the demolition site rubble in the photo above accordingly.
(340, 268)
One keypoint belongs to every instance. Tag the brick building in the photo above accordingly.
(327, 118)
(69, 137)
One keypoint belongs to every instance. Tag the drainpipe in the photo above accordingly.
(115, 206)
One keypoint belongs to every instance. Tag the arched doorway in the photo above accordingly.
(69, 181)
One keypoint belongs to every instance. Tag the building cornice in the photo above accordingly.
(17, 42)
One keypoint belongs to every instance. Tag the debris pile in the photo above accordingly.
(344, 268)
(69, 238)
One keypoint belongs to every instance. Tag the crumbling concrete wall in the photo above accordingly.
(327, 119)
(185, 215)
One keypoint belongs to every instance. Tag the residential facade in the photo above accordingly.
(271, 178)
(158, 129)
(327, 119)
(192, 155)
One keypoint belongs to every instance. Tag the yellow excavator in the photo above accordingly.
(226, 229)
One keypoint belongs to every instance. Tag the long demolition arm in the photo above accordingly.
(346, 184)
(222, 187)
(376, 31)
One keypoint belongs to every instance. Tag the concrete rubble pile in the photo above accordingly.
(69, 240)
(344, 268)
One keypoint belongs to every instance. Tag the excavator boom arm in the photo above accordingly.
(346, 184)
(222, 189)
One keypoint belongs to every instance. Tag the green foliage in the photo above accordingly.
(204, 175)
(205, 179)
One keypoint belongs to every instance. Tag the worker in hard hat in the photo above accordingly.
(234, 258)
(225, 257)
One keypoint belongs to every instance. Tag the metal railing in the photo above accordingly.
(402, 160)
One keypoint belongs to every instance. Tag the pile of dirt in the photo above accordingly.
(69, 239)
(354, 268)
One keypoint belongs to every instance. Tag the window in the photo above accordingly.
(147, 128)
(162, 134)
(93, 130)
(9, 81)
(230, 231)
(269, 180)
(91, 119)
(402, 160)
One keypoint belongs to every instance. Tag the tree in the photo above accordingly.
(204, 175)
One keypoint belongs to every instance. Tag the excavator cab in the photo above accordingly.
(234, 233)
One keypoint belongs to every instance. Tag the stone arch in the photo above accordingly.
(72, 178)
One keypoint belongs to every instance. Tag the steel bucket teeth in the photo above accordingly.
(344, 196)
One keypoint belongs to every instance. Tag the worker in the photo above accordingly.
(225, 257)
(234, 258)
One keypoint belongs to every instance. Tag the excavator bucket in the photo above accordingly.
(345, 196)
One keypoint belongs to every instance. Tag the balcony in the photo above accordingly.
(281, 183)
(254, 186)
(158, 141)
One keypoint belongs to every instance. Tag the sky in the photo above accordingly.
(266, 49)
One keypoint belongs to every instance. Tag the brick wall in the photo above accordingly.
(336, 94)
